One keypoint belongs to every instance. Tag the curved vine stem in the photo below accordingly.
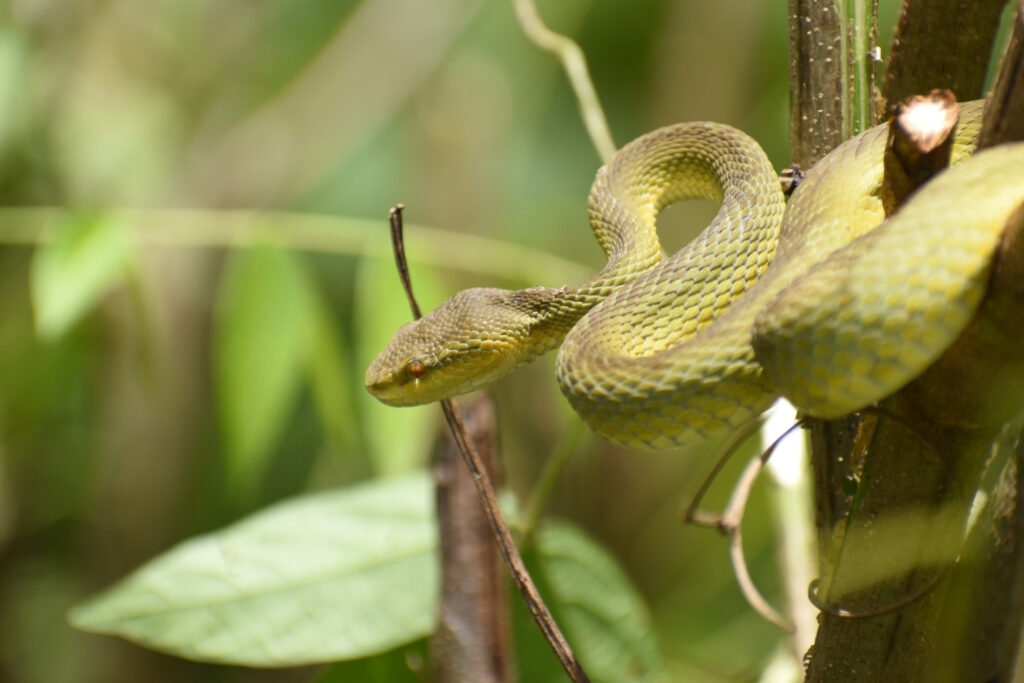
(729, 521)
(575, 65)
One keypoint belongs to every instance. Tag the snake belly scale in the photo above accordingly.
(822, 301)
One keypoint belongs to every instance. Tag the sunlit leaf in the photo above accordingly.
(601, 612)
(324, 577)
(87, 259)
(398, 438)
(264, 324)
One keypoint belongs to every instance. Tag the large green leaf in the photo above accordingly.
(325, 577)
(88, 258)
(603, 616)
(264, 326)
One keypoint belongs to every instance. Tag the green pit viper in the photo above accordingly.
(824, 302)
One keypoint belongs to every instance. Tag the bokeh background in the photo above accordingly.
(204, 374)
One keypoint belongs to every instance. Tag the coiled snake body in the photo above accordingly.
(823, 301)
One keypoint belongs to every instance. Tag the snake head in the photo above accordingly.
(469, 341)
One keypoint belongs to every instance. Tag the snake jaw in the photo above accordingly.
(398, 386)
(466, 343)
(400, 374)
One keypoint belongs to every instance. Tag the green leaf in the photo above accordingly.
(88, 258)
(397, 438)
(263, 331)
(602, 614)
(330, 379)
(320, 578)
(405, 664)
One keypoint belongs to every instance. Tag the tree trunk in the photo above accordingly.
(905, 592)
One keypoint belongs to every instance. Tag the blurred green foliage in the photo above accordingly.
(164, 371)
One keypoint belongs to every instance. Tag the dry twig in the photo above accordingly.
(730, 520)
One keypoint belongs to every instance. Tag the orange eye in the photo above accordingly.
(416, 369)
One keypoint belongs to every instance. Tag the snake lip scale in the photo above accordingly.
(823, 300)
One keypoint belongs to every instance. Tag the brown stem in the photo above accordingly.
(920, 143)
(815, 80)
(1007, 98)
(729, 521)
(509, 552)
(941, 44)
(471, 641)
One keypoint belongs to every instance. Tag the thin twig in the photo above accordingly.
(398, 244)
(698, 517)
(320, 233)
(507, 547)
(842, 612)
(730, 521)
(575, 65)
(509, 552)
(732, 518)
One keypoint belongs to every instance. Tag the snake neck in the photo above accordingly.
(553, 312)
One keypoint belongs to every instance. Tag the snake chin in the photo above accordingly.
(466, 343)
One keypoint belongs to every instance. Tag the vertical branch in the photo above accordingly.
(987, 620)
(816, 67)
(1001, 537)
(509, 552)
(941, 44)
(857, 46)
(831, 82)
(471, 642)
(1004, 114)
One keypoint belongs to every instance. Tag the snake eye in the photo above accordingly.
(415, 369)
